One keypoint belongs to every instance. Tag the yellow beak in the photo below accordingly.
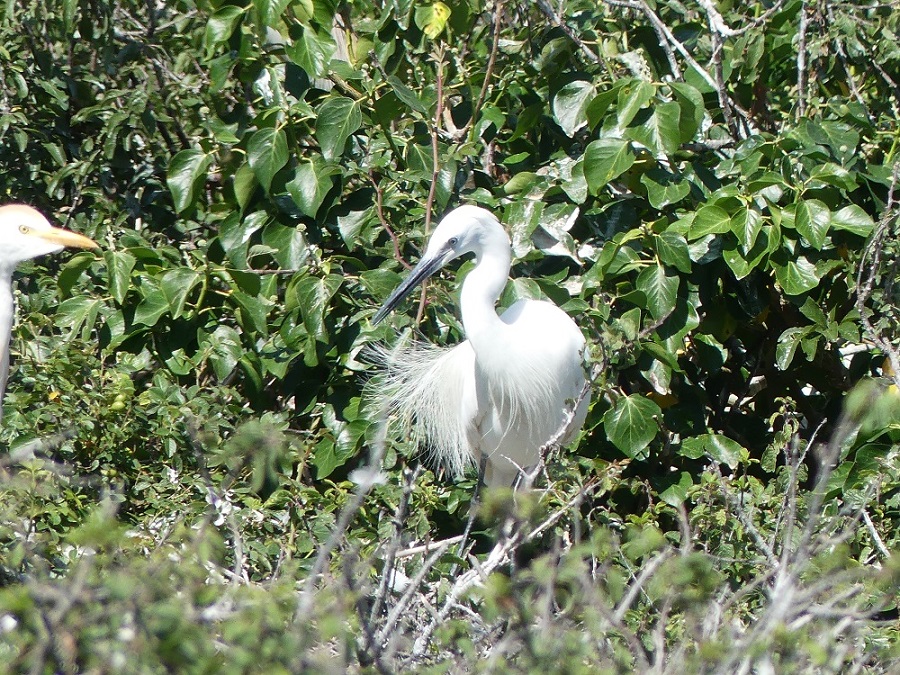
(57, 235)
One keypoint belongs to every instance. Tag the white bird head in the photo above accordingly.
(26, 234)
(466, 229)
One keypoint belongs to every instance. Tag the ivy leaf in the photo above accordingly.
(78, 313)
(312, 181)
(661, 289)
(672, 249)
(710, 219)
(186, 172)
(797, 276)
(119, 265)
(690, 101)
(659, 131)
(717, 447)
(570, 106)
(747, 224)
(289, 243)
(337, 118)
(834, 174)
(630, 424)
(787, 345)
(664, 188)
(267, 153)
(220, 27)
(606, 159)
(312, 295)
(853, 219)
(812, 220)
(153, 303)
(310, 50)
(676, 492)
(632, 97)
(176, 285)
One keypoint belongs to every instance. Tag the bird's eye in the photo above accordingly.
(24, 229)
(453, 241)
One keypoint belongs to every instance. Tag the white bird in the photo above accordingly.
(24, 234)
(509, 388)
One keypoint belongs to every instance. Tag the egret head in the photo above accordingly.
(466, 229)
(25, 234)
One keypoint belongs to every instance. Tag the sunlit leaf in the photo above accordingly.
(267, 153)
(337, 118)
(185, 175)
(631, 423)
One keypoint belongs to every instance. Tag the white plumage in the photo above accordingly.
(507, 389)
(24, 234)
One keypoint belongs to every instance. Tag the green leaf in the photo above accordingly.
(692, 109)
(270, 11)
(310, 50)
(834, 174)
(351, 225)
(661, 289)
(743, 262)
(312, 295)
(289, 243)
(244, 184)
(797, 276)
(606, 159)
(664, 188)
(220, 27)
(632, 97)
(153, 303)
(709, 219)
(672, 249)
(630, 424)
(225, 350)
(659, 132)
(267, 153)
(187, 170)
(432, 19)
(717, 447)
(119, 265)
(78, 313)
(570, 105)
(787, 345)
(176, 285)
(312, 181)
(407, 95)
(337, 118)
(853, 219)
(234, 233)
(676, 492)
(746, 225)
(812, 220)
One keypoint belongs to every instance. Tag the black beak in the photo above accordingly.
(425, 268)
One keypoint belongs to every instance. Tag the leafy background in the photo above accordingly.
(708, 189)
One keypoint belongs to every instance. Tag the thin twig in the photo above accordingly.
(801, 61)
(489, 72)
(435, 160)
(379, 211)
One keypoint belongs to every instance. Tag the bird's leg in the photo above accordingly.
(473, 510)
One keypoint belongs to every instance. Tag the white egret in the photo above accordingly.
(24, 234)
(498, 397)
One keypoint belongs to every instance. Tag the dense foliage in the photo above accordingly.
(709, 189)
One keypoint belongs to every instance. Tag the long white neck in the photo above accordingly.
(482, 288)
(6, 322)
